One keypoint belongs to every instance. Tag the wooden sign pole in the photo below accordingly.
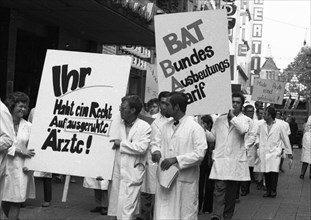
(66, 187)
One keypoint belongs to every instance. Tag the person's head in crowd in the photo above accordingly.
(278, 114)
(153, 106)
(249, 111)
(130, 107)
(17, 103)
(176, 105)
(238, 100)
(162, 98)
(258, 104)
(270, 114)
(293, 119)
(259, 112)
(288, 118)
(207, 122)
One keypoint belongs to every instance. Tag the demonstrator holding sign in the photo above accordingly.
(182, 143)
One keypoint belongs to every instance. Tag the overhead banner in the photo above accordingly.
(77, 113)
(193, 57)
(268, 91)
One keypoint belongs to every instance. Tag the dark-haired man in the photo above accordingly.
(273, 140)
(182, 143)
(153, 106)
(279, 120)
(130, 160)
(149, 184)
(259, 113)
(258, 175)
(230, 162)
(250, 141)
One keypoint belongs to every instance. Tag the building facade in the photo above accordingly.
(29, 28)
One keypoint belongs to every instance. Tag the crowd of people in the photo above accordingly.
(217, 158)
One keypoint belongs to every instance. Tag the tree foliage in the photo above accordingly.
(301, 67)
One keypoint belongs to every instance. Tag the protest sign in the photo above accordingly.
(193, 57)
(268, 91)
(77, 113)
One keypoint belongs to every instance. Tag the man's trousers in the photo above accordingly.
(224, 198)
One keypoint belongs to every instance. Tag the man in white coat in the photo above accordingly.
(6, 140)
(182, 143)
(257, 173)
(279, 120)
(149, 184)
(250, 141)
(130, 160)
(230, 161)
(273, 140)
(250, 145)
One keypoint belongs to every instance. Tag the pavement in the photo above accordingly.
(293, 201)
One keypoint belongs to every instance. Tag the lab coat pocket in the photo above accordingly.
(187, 175)
(276, 151)
(138, 174)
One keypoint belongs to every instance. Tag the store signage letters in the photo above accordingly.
(257, 34)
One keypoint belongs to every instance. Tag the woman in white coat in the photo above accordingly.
(18, 182)
(306, 149)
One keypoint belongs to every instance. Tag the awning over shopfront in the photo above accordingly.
(98, 20)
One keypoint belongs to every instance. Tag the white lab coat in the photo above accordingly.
(18, 186)
(6, 135)
(149, 183)
(187, 143)
(286, 127)
(6, 140)
(230, 160)
(270, 147)
(284, 124)
(250, 142)
(306, 143)
(129, 170)
(250, 150)
(92, 183)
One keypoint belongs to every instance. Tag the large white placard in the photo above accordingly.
(193, 57)
(77, 112)
(268, 91)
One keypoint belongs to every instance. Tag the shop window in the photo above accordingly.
(137, 83)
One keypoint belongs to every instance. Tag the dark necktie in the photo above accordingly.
(176, 122)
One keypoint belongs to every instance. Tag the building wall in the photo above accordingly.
(26, 42)
(23, 47)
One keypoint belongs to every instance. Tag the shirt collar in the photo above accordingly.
(177, 122)
(129, 125)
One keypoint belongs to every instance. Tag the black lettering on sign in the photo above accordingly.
(61, 78)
